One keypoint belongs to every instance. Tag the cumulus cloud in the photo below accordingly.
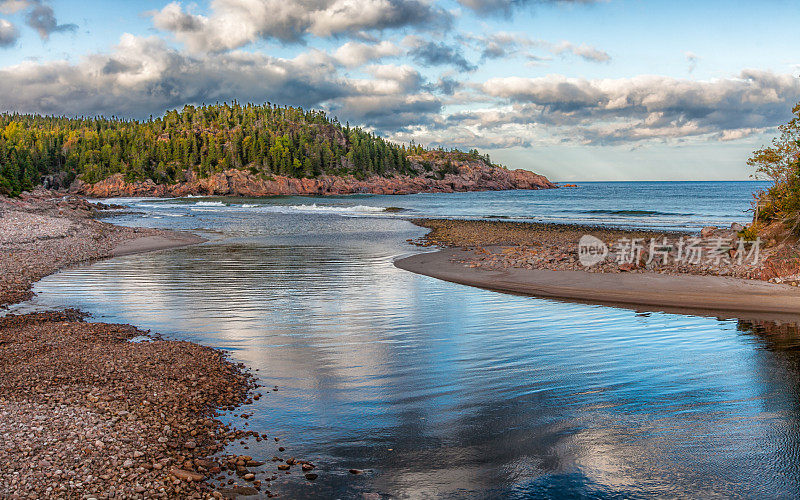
(446, 85)
(499, 45)
(8, 33)
(388, 114)
(387, 80)
(353, 54)
(144, 76)
(647, 107)
(235, 23)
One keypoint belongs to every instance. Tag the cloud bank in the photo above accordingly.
(381, 67)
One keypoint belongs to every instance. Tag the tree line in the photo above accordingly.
(265, 139)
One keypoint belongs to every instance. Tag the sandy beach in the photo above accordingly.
(541, 260)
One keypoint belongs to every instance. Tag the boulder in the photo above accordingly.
(186, 475)
(708, 231)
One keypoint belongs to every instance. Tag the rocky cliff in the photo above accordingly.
(472, 175)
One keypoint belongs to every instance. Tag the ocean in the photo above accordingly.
(658, 205)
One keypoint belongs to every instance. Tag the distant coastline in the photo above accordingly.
(469, 176)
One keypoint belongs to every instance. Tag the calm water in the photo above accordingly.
(441, 390)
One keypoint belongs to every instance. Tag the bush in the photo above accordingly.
(780, 162)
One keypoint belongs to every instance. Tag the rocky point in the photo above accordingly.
(472, 175)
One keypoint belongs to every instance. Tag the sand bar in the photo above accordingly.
(707, 295)
(173, 239)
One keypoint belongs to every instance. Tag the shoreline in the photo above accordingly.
(87, 413)
(541, 260)
(470, 175)
(686, 294)
(154, 243)
(44, 232)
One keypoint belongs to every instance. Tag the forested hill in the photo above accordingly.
(263, 140)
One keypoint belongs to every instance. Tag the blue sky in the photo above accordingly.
(576, 90)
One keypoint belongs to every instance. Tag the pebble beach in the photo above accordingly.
(497, 245)
(85, 412)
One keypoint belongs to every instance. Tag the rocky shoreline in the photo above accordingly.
(472, 175)
(87, 413)
(498, 245)
(544, 260)
(44, 231)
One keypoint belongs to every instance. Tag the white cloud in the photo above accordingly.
(388, 79)
(353, 54)
(583, 51)
(650, 107)
(503, 44)
(143, 76)
(236, 23)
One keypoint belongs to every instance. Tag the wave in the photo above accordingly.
(643, 213)
(209, 204)
(336, 209)
(312, 208)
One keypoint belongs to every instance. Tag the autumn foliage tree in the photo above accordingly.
(780, 163)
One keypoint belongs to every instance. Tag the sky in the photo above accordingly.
(577, 90)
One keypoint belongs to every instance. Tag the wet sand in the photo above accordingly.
(712, 295)
(155, 242)
(43, 232)
(541, 260)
